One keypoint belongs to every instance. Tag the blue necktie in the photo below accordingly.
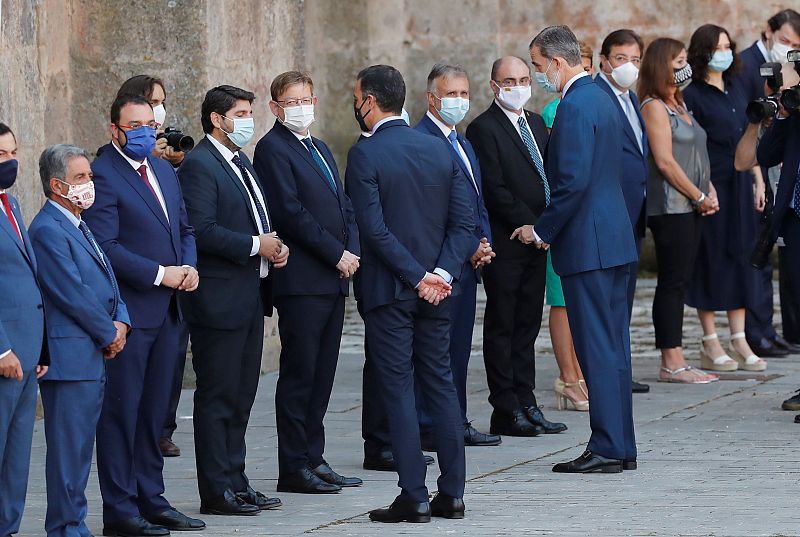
(453, 137)
(248, 182)
(320, 162)
(527, 137)
(96, 247)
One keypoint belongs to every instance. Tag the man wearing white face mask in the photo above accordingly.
(509, 142)
(310, 207)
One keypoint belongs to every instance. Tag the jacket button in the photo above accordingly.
(110, 300)
(39, 306)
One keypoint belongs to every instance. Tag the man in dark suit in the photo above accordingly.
(509, 142)
(593, 244)
(315, 218)
(238, 250)
(22, 359)
(448, 103)
(620, 58)
(87, 323)
(416, 225)
(139, 220)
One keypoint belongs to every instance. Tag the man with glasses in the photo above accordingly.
(509, 142)
(314, 215)
(140, 222)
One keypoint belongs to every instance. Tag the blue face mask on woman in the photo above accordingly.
(721, 60)
(140, 143)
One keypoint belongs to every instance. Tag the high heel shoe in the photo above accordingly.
(750, 363)
(722, 362)
(563, 398)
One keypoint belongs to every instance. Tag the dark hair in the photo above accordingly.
(782, 17)
(141, 85)
(558, 41)
(220, 100)
(386, 84)
(701, 47)
(657, 77)
(5, 129)
(123, 100)
(282, 82)
(621, 37)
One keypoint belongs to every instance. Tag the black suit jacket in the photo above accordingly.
(316, 222)
(219, 209)
(512, 188)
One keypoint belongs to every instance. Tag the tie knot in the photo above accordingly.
(452, 136)
(307, 142)
(236, 160)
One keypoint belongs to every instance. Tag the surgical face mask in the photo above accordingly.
(139, 143)
(243, 130)
(779, 51)
(683, 74)
(8, 173)
(453, 109)
(81, 196)
(721, 60)
(625, 75)
(298, 118)
(160, 114)
(406, 117)
(514, 97)
(545, 83)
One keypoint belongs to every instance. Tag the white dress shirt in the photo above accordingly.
(228, 155)
(446, 130)
(513, 117)
(302, 137)
(572, 80)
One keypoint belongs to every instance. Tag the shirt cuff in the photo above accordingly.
(444, 274)
(5, 354)
(536, 238)
(159, 276)
(256, 246)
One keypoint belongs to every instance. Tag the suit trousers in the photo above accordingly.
(227, 364)
(514, 304)
(17, 414)
(171, 423)
(789, 278)
(138, 386)
(310, 330)
(374, 425)
(598, 317)
(71, 411)
(410, 340)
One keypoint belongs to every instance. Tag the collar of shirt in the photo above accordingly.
(618, 92)
(76, 221)
(512, 115)
(302, 137)
(384, 120)
(135, 165)
(572, 80)
(763, 48)
(226, 153)
(444, 128)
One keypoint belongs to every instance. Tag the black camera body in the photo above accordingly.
(177, 140)
(767, 107)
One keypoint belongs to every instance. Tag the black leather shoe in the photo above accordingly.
(229, 504)
(304, 481)
(445, 506)
(535, 416)
(792, 403)
(473, 437)
(589, 462)
(514, 424)
(639, 387)
(797, 418)
(402, 511)
(629, 464)
(174, 520)
(427, 442)
(262, 501)
(134, 527)
(766, 348)
(326, 473)
(781, 343)
(385, 462)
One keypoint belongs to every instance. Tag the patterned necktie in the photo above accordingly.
(10, 215)
(633, 119)
(320, 162)
(527, 137)
(797, 194)
(453, 137)
(96, 247)
(248, 182)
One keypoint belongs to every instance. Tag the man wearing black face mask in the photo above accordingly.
(140, 222)
(22, 359)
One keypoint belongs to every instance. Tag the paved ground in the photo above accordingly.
(714, 460)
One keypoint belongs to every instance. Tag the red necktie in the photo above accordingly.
(10, 215)
(143, 172)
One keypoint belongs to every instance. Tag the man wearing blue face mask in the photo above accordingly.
(509, 142)
(448, 103)
(139, 220)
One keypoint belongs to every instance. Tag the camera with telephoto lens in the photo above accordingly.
(766, 107)
(177, 140)
(790, 98)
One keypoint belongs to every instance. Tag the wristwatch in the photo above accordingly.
(699, 200)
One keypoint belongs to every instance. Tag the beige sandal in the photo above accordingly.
(693, 376)
(752, 362)
(718, 363)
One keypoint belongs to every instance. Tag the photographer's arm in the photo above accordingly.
(745, 158)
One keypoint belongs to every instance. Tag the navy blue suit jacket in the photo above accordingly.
(21, 307)
(751, 80)
(316, 222)
(781, 143)
(130, 225)
(412, 208)
(587, 222)
(78, 295)
(634, 160)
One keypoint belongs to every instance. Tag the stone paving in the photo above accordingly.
(714, 460)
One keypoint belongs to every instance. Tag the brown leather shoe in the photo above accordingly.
(168, 448)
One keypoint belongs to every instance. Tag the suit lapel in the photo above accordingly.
(135, 180)
(5, 223)
(233, 177)
(71, 230)
(304, 153)
(506, 125)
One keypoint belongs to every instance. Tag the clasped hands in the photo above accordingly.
(181, 278)
(272, 248)
(710, 204)
(525, 235)
(11, 368)
(348, 264)
(433, 289)
(116, 346)
(483, 255)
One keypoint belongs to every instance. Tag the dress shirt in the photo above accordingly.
(74, 220)
(446, 130)
(513, 117)
(763, 48)
(572, 80)
(384, 120)
(228, 155)
(302, 137)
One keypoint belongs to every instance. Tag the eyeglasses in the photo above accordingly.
(289, 103)
(622, 58)
(510, 82)
(137, 125)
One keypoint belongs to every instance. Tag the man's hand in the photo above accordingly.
(173, 157)
(10, 367)
(760, 196)
(282, 258)
(524, 234)
(120, 339)
(191, 281)
(41, 370)
(483, 255)
(348, 264)
(270, 245)
(433, 289)
(173, 276)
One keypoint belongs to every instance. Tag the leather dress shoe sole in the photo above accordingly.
(221, 512)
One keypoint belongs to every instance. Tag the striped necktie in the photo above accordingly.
(527, 137)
